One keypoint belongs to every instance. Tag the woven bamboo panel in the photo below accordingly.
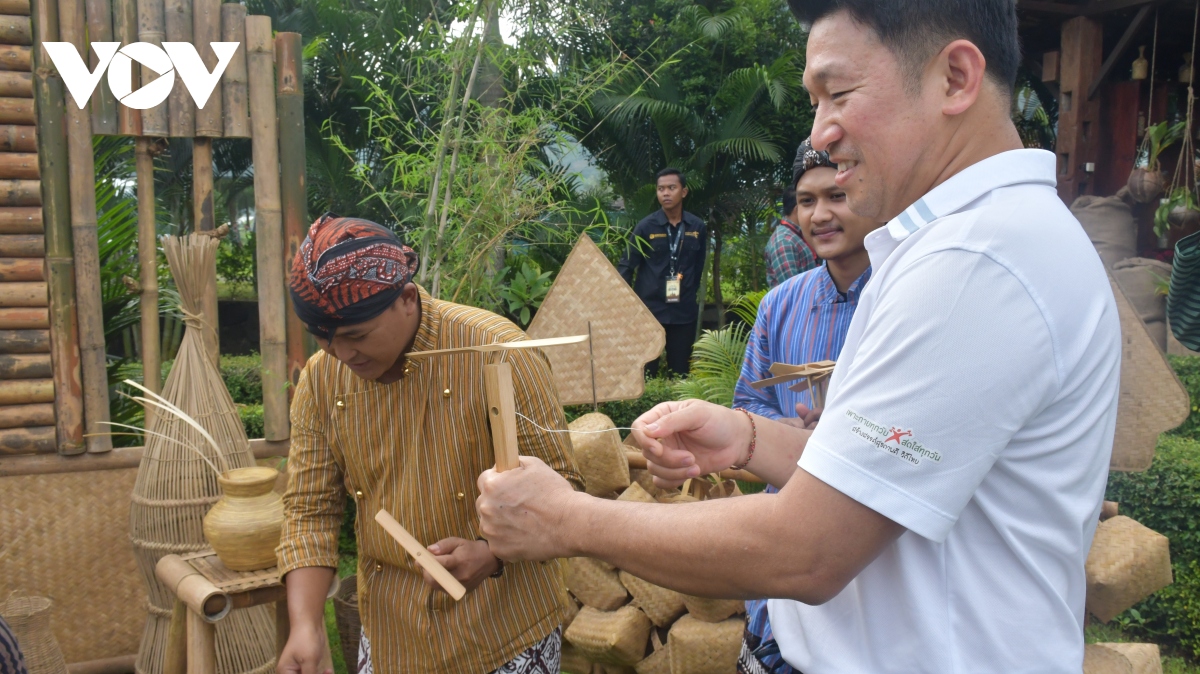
(699, 647)
(595, 583)
(625, 335)
(1152, 399)
(617, 637)
(66, 537)
(1127, 563)
(659, 604)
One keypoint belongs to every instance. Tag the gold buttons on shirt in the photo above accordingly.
(358, 494)
(446, 393)
(378, 567)
(460, 496)
(341, 404)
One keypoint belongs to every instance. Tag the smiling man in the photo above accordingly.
(939, 516)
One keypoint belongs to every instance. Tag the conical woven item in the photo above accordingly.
(1144, 658)
(712, 610)
(635, 492)
(1127, 563)
(573, 661)
(177, 484)
(658, 603)
(595, 583)
(600, 457)
(658, 662)
(614, 637)
(29, 618)
(699, 647)
(1098, 659)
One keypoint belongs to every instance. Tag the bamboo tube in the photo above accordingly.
(23, 245)
(17, 111)
(15, 29)
(234, 92)
(206, 20)
(13, 57)
(181, 111)
(289, 94)
(22, 220)
(19, 139)
(23, 295)
(24, 318)
(268, 226)
(175, 660)
(125, 31)
(22, 193)
(24, 341)
(14, 84)
(21, 269)
(22, 416)
(19, 166)
(37, 440)
(148, 261)
(151, 27)
(202, 217)
(27, 366)
(19, 7)
(100, 29)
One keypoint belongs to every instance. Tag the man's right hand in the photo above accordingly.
(690, 438)
(304, 652)
(307, 649)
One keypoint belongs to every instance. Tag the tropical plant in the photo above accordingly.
(718, 355)
(527, 287)
(1158, 138)
(1181, 198)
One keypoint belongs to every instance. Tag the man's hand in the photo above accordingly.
(307, 649)
(809, 417)
(470, 562)
(681, 440)
(520, 510)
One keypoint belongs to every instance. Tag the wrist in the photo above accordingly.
(577, 511)
(749, 438)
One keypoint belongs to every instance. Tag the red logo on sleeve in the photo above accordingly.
(897, 434)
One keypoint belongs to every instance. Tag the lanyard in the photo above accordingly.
(673, 243)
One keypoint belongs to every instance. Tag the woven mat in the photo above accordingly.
(625, 335)
(1152, 399)
(66, 537)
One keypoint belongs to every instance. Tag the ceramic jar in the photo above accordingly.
(244, 526)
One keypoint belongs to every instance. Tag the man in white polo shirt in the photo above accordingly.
(941, 512)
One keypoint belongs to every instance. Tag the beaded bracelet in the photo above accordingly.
(753, 440)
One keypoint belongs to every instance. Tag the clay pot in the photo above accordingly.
(1141, 67)
(1182, 216)
(243, 527)
(1145, 186)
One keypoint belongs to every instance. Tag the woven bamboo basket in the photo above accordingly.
(595, 583)
(699, 647)
(712, 610)
(29, 618)
(613, 637)
(599, 456)
(1099, 659)
(573, 661)
(573, 607)
(349, 621)
(1143, 658)
(635, 492)
(1127, 563)
(658, 662)
(661, 605)
(177, 478)
(643, 478)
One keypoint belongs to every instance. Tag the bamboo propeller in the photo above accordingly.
(502, 346)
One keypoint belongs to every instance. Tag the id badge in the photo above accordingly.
(673, 289)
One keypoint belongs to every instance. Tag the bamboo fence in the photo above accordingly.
(289, 93)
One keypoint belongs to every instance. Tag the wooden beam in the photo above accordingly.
(1078, 117)
(119, 458)
(1119, 50)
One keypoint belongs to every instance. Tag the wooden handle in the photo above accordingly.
(423, 557)
(502, 346)
(502, 412)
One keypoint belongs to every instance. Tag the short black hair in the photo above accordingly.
(670, 171)
(916, 29)
(789, 201)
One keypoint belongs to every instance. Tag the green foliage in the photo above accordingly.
(716, 365)
(745, 307)
(624, 412)
(236, 259)
(1161, 136)
(243, 378)
(1187, 368)
(527, 287)
(252, 419)
(1180, 197)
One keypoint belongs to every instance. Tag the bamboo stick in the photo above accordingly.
(21, 193)
(289, 94)
(23, 245)
(13, 57)
(82, 185)
(21, 269)
(17, 111)
(268, 226)
(19, 7)
(202, 217)
(421, 554)
(125, 31)
(23, 295)
(24, 318)
(15, 29)
(52, 157)
(234, 93)
(181, 111)
(22, 416)
(148, 261)
(27, 366)
(99, 29)
(24, 341)
(19, 139)
(37, 440)
(15, 84)
(206, 20)
(152, 28)
(19, 166)
(175, 660)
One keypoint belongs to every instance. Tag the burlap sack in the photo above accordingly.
(661, 605)
(600, 457)
(573, 661)
(595, 583)
(1110, 226)
(712, 610)
(1127, 563)
(699, 647)
(1138, 278)
(635, 492)
(612, 637)
(658, 662)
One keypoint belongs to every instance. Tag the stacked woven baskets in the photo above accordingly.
(626, 624)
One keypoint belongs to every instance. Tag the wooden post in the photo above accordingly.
(289, 92)
(268, 226)
(16, 85)
(148, 261)
(55, 218)
(181, 111)
(1078, 117)
(201, 645)
(207, 29)
(502, 412)
(152, 29)
(125, 31)
(100, 29)
(175, 658)
(234, 92)
(202, 217)
(18, 139)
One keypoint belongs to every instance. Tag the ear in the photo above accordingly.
(410, 297)
(963, 72)
(683, 194)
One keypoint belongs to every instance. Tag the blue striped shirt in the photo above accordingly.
(804, 319)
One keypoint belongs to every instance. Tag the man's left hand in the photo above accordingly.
(470, 562)
(521, 511)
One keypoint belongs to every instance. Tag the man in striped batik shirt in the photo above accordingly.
(804, 319)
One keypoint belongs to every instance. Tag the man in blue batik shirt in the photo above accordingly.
(802, 320)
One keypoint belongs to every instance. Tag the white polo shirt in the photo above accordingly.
(974, 403)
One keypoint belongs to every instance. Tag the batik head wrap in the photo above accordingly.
(808, 158)
(348, 271)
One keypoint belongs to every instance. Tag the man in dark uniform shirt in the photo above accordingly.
(667, 253)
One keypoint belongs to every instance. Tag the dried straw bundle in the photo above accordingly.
(177, 479)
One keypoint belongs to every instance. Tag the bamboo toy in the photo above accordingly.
(813, 376)
(421, 555)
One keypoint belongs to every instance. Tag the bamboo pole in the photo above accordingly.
(18, 139)
(25, 220)
(22, 416)
(19, 7)
(15, 29)
(100, 29)
(202, 217)
(125, 31)
(38, 440)
(24, 341)
(13, 57)
(148, 261)
(82, 185)
(23, 295)
(27, 366)
(26, 391)
(289, 94)
(24, 318)
(23, 245)
(22, 193)
(17, 111)
(268, 226)
(234, 94)
(19, 165)
(152, 29)
(207, 29)
(17, 85)
(181, 111)
(21, 269)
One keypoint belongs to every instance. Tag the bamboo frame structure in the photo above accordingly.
(260, 51)
(206, 26)
(203, 220)
(181, 110)
(100, 29)
(289, 96)
(234, 83)
(152, 28)
(125, 31)
(148, 262)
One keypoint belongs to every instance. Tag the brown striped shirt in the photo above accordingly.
(415, 447)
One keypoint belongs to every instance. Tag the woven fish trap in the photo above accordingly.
(1127, 563)
(595, 583)
(699, 647)
(712, 610)
(177, 477)
(600, 457)
(659, 604)
(29, 618)
(613, 637)
(658, 662)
